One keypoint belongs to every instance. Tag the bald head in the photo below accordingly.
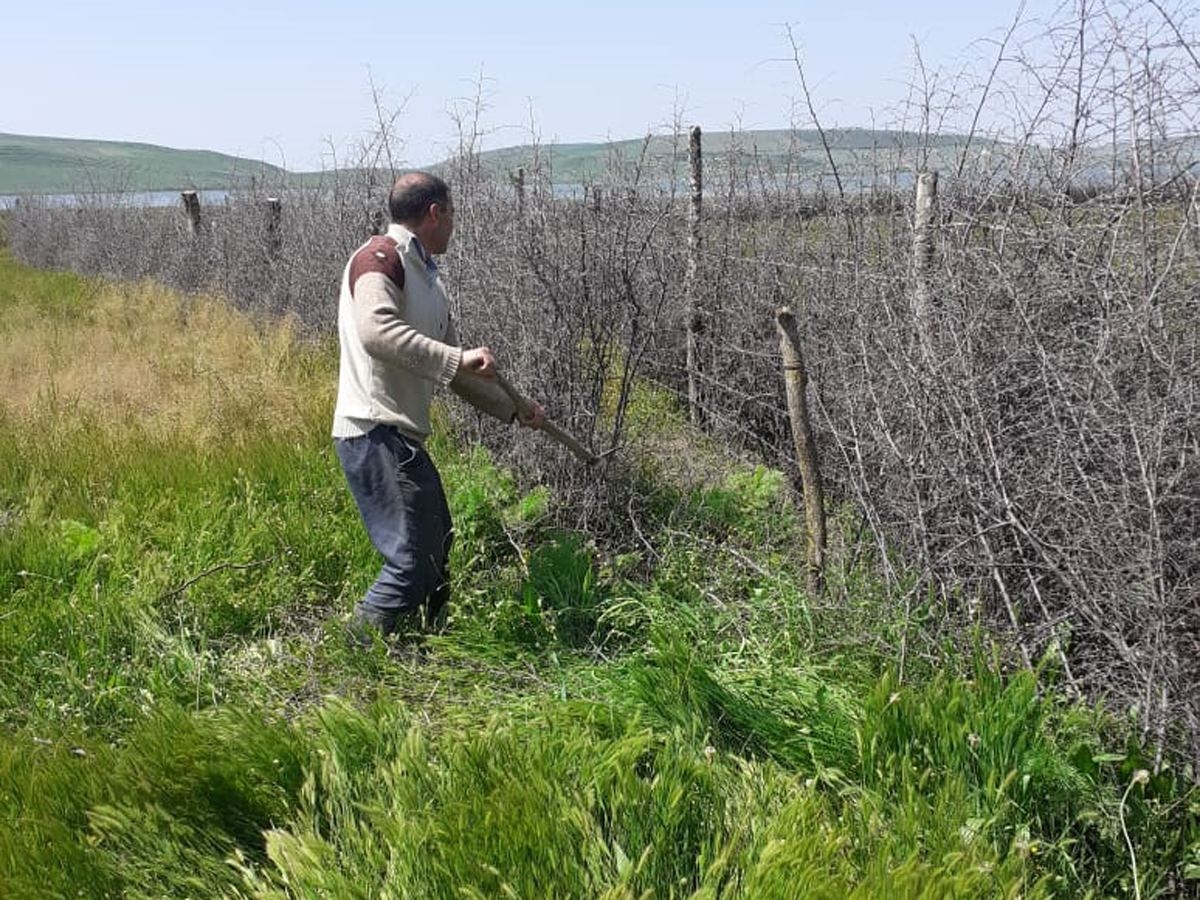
(413, 194)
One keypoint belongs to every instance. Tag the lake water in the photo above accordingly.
(562, 191)
(130, 198)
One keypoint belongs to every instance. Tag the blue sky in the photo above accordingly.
(290, 82)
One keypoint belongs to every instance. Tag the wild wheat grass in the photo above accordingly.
(181, 715)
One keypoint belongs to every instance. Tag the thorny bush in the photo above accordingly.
(1034, 457)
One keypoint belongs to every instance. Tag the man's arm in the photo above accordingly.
(481, 390)
(388, 336)
(376, 280)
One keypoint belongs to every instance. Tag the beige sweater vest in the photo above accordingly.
(398, 343)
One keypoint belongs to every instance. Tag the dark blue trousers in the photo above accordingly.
(403, 505)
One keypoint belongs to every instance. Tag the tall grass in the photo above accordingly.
(181, 715)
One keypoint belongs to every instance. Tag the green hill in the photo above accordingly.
(850, 147)
(47, 165)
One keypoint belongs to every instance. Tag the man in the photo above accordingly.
(398, 341)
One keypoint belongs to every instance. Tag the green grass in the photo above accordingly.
(181, 713)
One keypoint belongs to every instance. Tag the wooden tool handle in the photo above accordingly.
(524, 410)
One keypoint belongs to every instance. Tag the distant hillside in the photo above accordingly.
(59, 165)
(858, 153)
(45, 165)
(574, 163)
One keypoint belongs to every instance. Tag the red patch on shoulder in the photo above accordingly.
(379, 254)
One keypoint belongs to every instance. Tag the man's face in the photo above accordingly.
(442, 222)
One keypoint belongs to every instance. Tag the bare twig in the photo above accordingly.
(813, 112)
(220, 567)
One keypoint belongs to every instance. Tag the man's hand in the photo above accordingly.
(479, 361)
(534, 416)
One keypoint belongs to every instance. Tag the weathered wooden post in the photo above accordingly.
(924, 238)
(191, 206)
(518, 183)
(1195, 209)
(274, 222)
(695, 315)
(796, 381)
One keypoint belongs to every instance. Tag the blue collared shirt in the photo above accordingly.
(431, 265)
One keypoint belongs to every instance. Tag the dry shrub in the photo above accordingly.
(1035, 462)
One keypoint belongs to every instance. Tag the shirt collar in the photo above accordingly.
(407, 239)
(431, 265)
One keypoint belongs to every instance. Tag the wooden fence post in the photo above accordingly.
(796, 381)
(518, 182)
(1195, 210)
(695, 317)
(191, 206)
(274, 223)
(924, 238)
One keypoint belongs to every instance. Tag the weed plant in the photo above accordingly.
(1006, 403)
(181, 714)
